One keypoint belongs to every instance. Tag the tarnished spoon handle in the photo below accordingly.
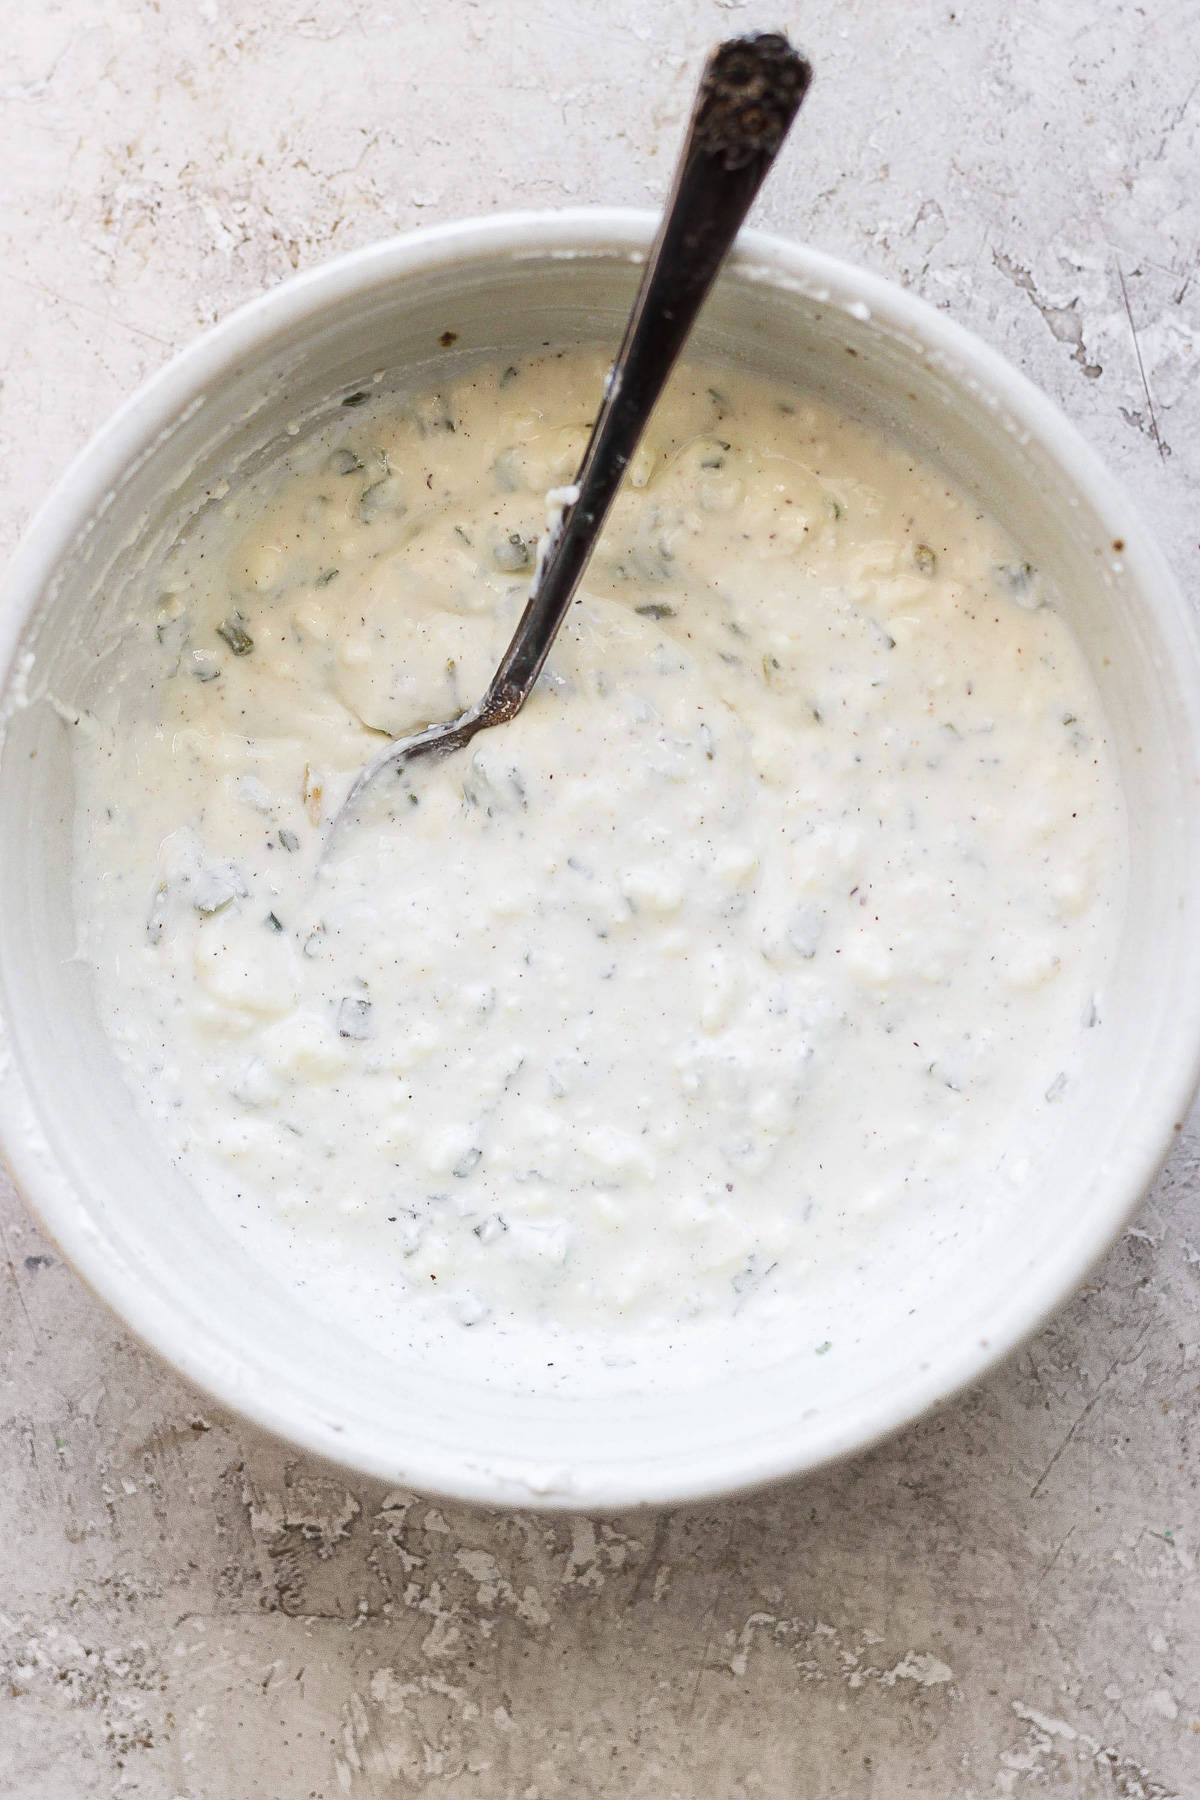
(749, 94)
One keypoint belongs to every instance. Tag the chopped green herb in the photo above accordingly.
(326, 576)
(274, 922)
(378, 497)
(218, 887)
(465, 1164)
(925, 559)
(654, 610)
(513, 552)
(359, 397)
(233, 630)
(288, 839)
(823, 1349)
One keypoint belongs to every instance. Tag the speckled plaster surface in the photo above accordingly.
(1001, 1602)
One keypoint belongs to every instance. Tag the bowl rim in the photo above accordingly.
(133, 431)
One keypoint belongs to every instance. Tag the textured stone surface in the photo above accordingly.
(1004, 1600)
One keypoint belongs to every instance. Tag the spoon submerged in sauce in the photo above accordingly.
(749, 93)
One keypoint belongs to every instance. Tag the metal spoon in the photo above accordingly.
(749, 93)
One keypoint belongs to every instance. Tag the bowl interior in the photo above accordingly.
(940, 1299)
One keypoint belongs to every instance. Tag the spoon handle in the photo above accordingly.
(749, 93)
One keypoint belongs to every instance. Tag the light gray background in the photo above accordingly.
(1004, 1600)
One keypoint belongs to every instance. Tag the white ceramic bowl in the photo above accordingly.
(921, 1324)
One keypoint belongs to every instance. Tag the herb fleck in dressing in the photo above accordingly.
(781, 911)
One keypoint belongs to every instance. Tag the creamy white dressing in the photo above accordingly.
(782, 911)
